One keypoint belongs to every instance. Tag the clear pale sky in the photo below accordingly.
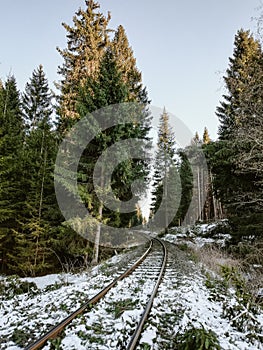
(182, 47)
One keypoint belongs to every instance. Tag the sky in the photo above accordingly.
(182, 47)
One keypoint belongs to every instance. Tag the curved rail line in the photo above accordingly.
(136, 336)
(51, 334)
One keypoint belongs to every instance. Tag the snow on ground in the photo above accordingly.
(183, 298)
(199, 235)
(23, 317)
(115, 317)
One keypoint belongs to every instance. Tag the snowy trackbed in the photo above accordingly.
(183, 300)
(149, 267)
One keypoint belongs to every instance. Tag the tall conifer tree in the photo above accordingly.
(40, 210)
(206, 137)
(12, 189)
(87, 41)
(240, 77)
(107, 90)
(126, 63)
(239, 186)
(97, 73)
(165, 188)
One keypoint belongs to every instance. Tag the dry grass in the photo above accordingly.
(212, 258)
(250, 253)
(250, 266)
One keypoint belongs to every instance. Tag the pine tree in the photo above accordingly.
(40, 210)
(196, 139)
(87, 41)
(165, 178)
(126, 64)
(206, 137)
(107, 90)
(239, 79)
(12, 190)
(37, 100)
(238, 185)
(97, 73)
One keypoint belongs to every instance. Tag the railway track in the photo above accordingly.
(149, 268)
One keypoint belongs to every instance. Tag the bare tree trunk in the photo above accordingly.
(198, 194)
(98, 232)
(97, 239)
(41, 198)
(220, 210)
(42, 180)
(165, 197)
(213, 196)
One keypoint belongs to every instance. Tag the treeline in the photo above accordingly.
(98, 70)
(182, 184)
(232, 178)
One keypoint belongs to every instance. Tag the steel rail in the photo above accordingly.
(52, 333)
(137, 333)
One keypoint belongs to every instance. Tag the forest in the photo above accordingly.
(99, 70)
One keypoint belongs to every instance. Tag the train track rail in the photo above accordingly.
(150, 265)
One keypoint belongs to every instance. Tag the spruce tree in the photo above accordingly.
(206, 137)
(107, 90)
(12, 189)
(196, 139)
(237, 184)
(87, 41)
(97, 73)
(165, 178)
(126, 64)
(37, 100)
(40, 217)
(240, 77)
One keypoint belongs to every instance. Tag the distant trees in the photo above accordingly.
(189, 189)
(206, 137)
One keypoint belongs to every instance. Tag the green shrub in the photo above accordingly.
(20, 336)
(13, 285)
(197, 338)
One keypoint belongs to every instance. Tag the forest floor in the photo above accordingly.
(194, 296)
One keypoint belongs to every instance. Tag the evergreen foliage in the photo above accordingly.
(12, 190)
(107, 90)
(99, 71)
(186, 177)
(40, 213)
(237, 156)
(166, 182)
(206, 137)
(37, 100)
(241, 83)
(87, 41)
(96, 72)
(126, 64)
